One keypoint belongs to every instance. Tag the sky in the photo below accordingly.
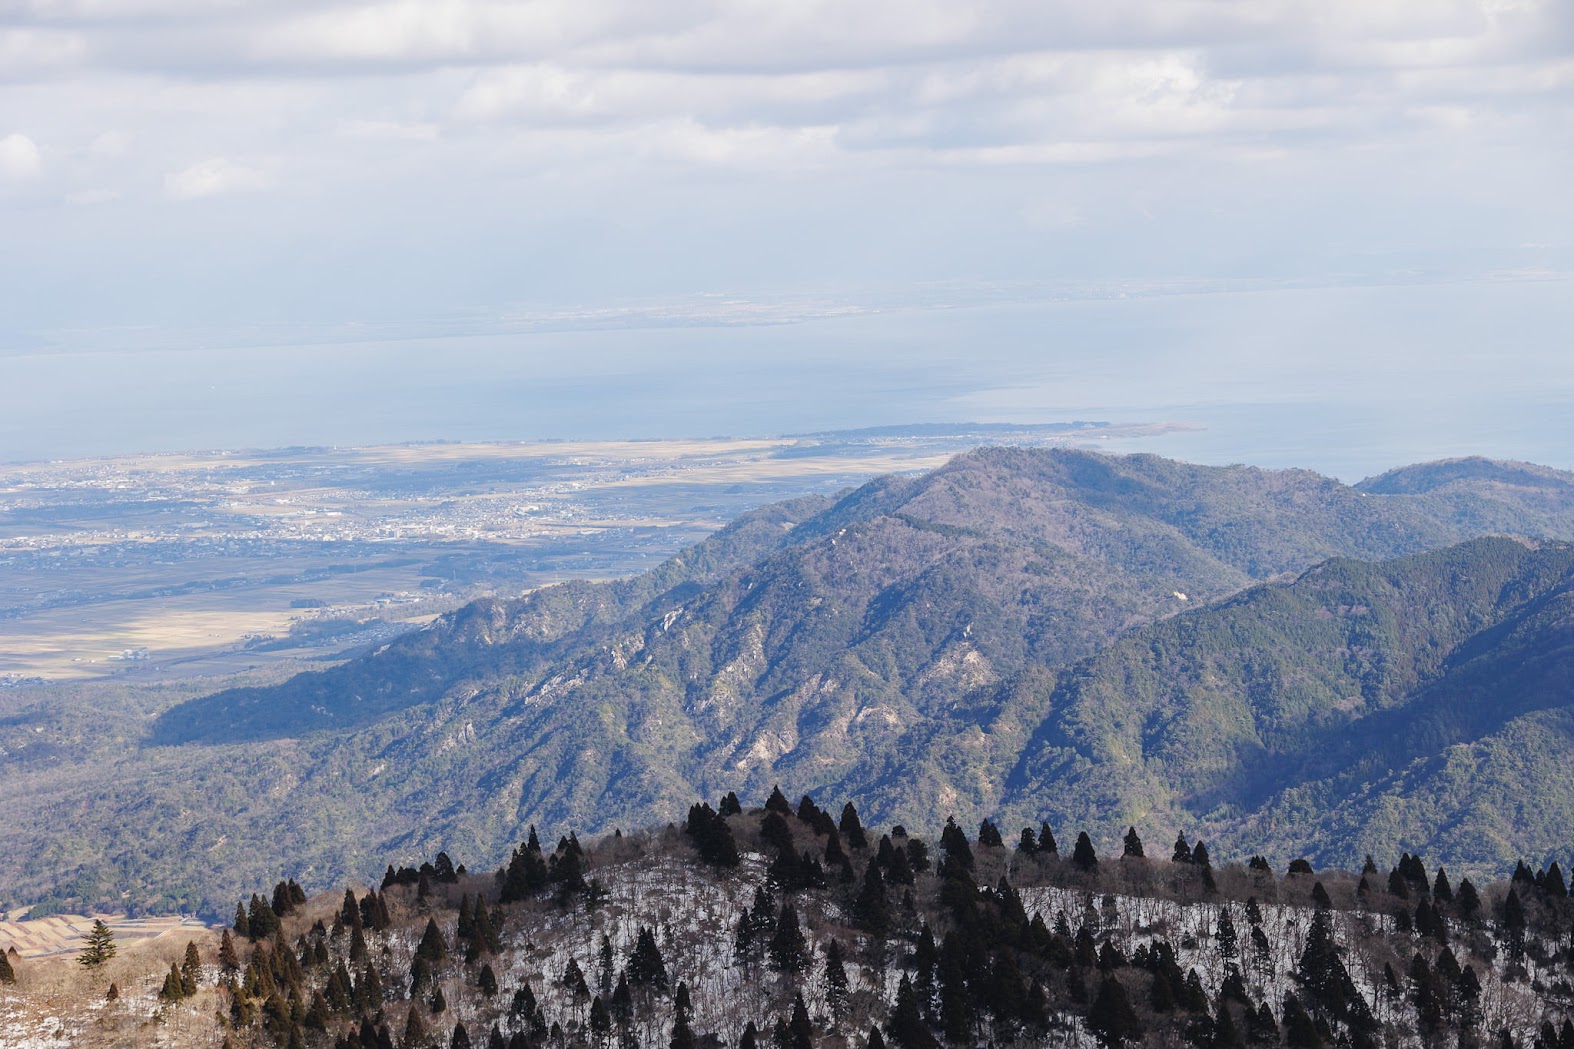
(261, 194)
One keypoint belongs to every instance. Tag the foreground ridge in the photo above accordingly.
(790, 926)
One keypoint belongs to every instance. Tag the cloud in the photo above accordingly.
(212, 178)
(19, 157)
(89, 197)
(558, 146)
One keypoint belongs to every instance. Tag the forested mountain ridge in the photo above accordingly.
(1067, 548)
(1304, 712)
(791, 928)
(961, 641)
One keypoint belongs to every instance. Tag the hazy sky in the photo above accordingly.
(237, 173)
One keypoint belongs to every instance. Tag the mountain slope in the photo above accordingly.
(906, 646)
(1280, 709)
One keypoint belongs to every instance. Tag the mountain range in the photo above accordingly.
(1272, 660)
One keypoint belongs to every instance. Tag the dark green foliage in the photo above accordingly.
(1082, 856)
(433, 948)
(711, 836)
(646, 968)
(98, 946)
(872, 907)
(1111, 1018)
(835, 980)
(788, 949)
(907, 1027)
(1132, 845)
(851, 829)
(1324, 978)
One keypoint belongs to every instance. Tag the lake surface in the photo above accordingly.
(1346, 380)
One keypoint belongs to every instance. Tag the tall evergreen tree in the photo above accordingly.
(646, 967)
(1111, 1018)
(1082, 856)
(906, 1026)
(432, 948)
(99, 946)
(788, 950)
(1132, 845)
(873, 908)
(835, 980)
(852, 829)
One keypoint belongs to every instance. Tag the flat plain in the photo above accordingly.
(197, 564)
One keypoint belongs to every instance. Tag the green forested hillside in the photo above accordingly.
(1292, 711)
(1023, 633)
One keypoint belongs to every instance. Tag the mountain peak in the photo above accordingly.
(1421, 478)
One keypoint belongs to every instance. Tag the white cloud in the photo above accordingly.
(215, 177)
(89, 197)
(109, 144)
(388, 130)
(26, 53)
(20, 157)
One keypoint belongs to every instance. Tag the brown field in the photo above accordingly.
(63, 934)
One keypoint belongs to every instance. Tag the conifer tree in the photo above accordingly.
(605, 966)
(1082, 855)
(788, 950)
(172, 991)
(777, 802)
(1467, 900)
(432, 948)
(989, 835)
(1132, 846)
(1028, 845)
(1047, 846)
(100, 946)
(1323, 974)
(1514, 923)
(1224, 936)
(800, 1032)
(600, 1020)
(873, 908)
(1182, 853)
(260, 920)
(487, 981)
(190, 969)
(241, 925)
(852, 828)
(646, 968)
(414, 1028)
(906, 1026)
(835, 980)
(229, 962)
(1111, 1018)
(954, 842)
